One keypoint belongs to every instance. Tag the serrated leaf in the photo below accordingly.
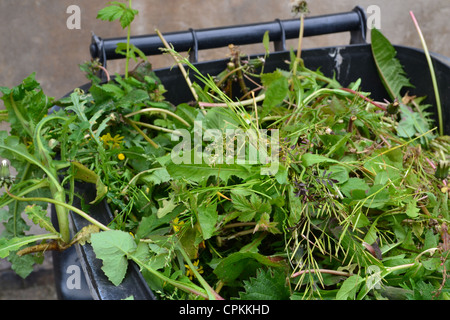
(411, 208)
(39, 217)
(112, 12)
(249, 208)
(389, 67)
(201, 172)
(268, 285)
(167, 207)
(113, 247)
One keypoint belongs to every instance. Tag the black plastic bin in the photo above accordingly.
(348, 63)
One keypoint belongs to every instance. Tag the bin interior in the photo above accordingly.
(347, 64)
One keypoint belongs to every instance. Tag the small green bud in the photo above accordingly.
(442, 169)
(392, 108)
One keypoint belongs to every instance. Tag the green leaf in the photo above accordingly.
(412, 123)
(87, 175)
(349, 288)
(353, 184)
(39, 217)
(167, 207)
(10, 245)
(231, 267)
(268, 285)
(201, 172)
(389, 67)
(111, 13)
(411, 208)
(309, 159)
(250, 208)
(113, 247)
(207, 218)
(266, 42)
(277, 88)
(117, 10)
(127, 17)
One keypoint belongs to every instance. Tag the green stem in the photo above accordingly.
(62, 204)
(127, 63)
(25, 123)
(142, 133)
(183, 286)
(433, 75)
(212, 295)
(159, 111)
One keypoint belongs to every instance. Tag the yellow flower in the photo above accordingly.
(177, 224)
(121, 156)
(190, 273)
(112, 142)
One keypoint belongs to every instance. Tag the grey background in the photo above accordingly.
(35, 38)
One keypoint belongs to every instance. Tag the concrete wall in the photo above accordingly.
(34, 35)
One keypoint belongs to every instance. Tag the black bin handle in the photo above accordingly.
(279, 30)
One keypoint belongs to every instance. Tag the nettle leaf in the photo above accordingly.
(390, 70)
(113, 247)
(268, 285)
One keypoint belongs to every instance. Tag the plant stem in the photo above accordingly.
(243, 103)
(337, 273)
(142, 133)
(433, 75)
(212, 295)
(300, 36)
(62, 204)
(160, 111)
(127, 62)
(182, 69)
